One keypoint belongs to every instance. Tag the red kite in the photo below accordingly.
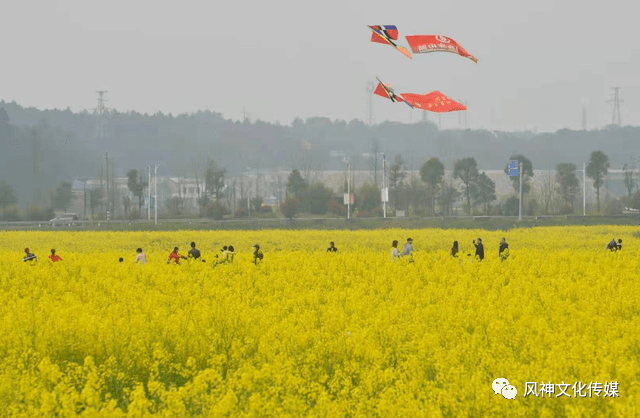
(432, 102)
(386, 34)
(433, 43)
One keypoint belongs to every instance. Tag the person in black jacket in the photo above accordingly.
(194, 252)
(504, 250)
(454, 249)
(479, 249)
(332, 247)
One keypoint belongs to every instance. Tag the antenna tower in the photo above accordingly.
(101, 111)
(616, 106)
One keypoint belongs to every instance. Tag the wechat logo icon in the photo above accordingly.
(502, 386)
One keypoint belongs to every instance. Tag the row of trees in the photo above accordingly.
(478, 190)
(429, 193)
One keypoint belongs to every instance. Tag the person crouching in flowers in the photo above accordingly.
(175, 256)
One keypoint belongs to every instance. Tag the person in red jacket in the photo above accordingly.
(175, 256)
(54, 257)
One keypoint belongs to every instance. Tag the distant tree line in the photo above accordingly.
(41, 149)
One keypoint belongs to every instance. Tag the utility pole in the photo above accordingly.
(155, 199)
(616, 106)
(584, 189)
(349, 188)
(520, 204)
(370, 90)
(385, 193)
(149, 195)
(248, 194)
(106, 156)
(85, 199)
(584, 117)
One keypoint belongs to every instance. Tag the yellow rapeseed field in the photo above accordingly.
(307, 333)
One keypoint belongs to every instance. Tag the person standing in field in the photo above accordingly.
(175, 256)
(408, 249)
(194, 252)
(395, 254)
(257, 254)
(30, 257)
(54, 257)
(332, 248)
(504, 249)
(479, 249)
(141, 258)
(231, 253)
(619, 245)
(454, 249)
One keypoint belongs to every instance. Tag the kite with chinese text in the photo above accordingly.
(432, 102)
(435, 43)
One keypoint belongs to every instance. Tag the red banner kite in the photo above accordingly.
(432, 102)
(435, 43)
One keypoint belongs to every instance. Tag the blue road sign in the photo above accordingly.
(513, 168)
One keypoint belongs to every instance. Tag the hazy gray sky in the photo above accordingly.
(539, 61)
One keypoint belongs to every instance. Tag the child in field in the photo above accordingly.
(454, 249)
(332, 247)
(395, 254)
(257, 254)
(231, 253)
(479, 249)
(175, 256)
(30, 257)
(141, 257)
(54, 257)
(503, 253)
(222, 257)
